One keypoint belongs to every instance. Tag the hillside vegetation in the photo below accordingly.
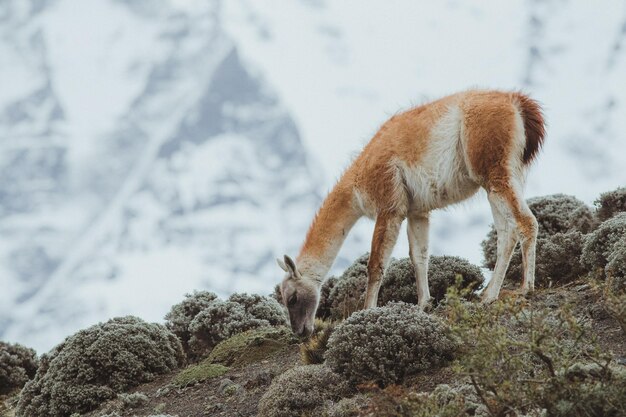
(560, 351)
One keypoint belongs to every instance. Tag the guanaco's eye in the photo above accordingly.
(292, 300)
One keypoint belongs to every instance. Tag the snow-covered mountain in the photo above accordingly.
(149, 148)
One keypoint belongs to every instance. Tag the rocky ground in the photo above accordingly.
(206, 389)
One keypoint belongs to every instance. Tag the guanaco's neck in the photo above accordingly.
(328, 232)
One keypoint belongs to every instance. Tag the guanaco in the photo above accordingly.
(423, 159)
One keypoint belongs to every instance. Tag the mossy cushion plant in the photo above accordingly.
(252, 346)
(18, 364)
(96, 364)
(563, 221)
(199, 372)
(302, 391)
(387, 344)
(443, 272)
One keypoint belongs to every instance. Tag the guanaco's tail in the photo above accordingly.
(534, 126)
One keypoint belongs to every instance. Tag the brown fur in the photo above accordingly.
(405, 137)
(406, 170)
(534, 126)
(489, 123)
(331, 220)
(489, 127)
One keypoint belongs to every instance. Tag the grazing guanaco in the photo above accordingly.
(423, 159)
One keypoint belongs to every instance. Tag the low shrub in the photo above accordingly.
(444, 401)
(180, 316)
(443, 272)
(387, 344)
(557, 260)
(96, 364)
(563, 220)
(557, 213)
(604, 245)
(312, 351)
(18, 364)
(252, 346)
(560, 213)
(202, 320)
(521, 360)
(616, 267)
(348, 293)
(262, 308)
(134, 400)
(219, 321)
(610, 203)
(347, 407)
(302, 391)
(324, 309)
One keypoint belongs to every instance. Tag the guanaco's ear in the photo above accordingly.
(291, 266)
(282, 265)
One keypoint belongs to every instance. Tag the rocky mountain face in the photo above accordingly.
(150, 148)
(181, 171)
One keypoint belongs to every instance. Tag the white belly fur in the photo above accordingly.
(442, 176)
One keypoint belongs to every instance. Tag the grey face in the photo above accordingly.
(300, 296)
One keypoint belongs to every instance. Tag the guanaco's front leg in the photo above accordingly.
(385, 235)
(417, 230)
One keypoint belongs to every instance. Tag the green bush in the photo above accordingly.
(444, 401)
(557, 213)
(616, 266)
(18, 364)
(134, 400)
(276, 295)
(557, 260)
(560, 213)
(348, 293)
(610, 203)
(604, 246)
(302, 391)
(202, 320)
(563, 220)
(347, 407)
(96, 364)
(443, 271)
(521, 360)
(387, 344)
(324, 309)
(180, 316)
(262, 308)
(219, 321)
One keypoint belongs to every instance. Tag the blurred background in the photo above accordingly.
(149, 148)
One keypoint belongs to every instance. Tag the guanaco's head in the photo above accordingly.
(300, 295)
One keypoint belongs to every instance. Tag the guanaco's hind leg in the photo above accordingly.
(418, 249)
(512, 219)
(385, 235)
